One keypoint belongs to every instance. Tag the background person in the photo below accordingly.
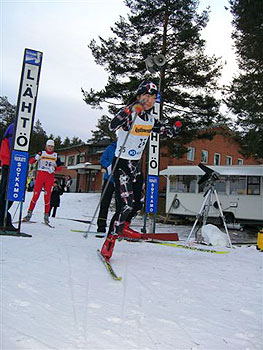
(48, 162)
(5, 153)
(106, 161)
(57, 191)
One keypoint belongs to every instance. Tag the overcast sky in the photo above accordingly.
(62, 30)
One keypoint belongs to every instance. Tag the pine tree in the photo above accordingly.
(58, 142)
(189, 79)
(66, 142)
(38, 138)
(103, 130)
(7, 114)
(76, 141)
(246, 91)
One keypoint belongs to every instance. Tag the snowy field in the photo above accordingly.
(56, 293)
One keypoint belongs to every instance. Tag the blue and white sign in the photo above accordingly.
(33, 57)
(24, 122)
(153, 155)
(17, 176)
(27, 99)
(152, 194)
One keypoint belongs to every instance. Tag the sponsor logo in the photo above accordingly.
(132, 152)
(141, 130)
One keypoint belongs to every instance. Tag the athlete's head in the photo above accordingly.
(146, 94)
(50, 144)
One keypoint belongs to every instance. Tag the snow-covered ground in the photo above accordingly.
(56, 293)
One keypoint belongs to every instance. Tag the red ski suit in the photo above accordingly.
(47, 163)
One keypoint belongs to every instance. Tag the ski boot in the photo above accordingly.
(108, 245)
(46, 219)
(28, 216)
(129, 233)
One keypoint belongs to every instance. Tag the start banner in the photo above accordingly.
(24, 122)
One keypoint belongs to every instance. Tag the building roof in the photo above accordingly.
(85, 166)
(238, 170)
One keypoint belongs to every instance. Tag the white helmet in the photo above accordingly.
(50, 143)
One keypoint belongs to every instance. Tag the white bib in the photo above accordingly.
(47, 162)
(136, 141)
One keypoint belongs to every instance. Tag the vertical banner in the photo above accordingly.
(153, 165)
(152, 194)
(25, 114)
(18, 175)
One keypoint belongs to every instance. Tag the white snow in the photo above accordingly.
(214, 236)
(56, 293)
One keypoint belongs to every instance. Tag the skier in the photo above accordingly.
(57, 191)
(126, 171)
(5, 162)
(48, 162)
(106, 161)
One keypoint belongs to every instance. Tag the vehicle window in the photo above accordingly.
(253, 185)
(237, 185)
(183, 183)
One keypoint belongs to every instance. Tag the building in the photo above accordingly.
(223, 149)
(81, 162)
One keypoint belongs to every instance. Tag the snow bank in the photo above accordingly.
(212, 235)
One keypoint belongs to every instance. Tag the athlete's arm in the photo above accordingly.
(162, 128)
(124, 117)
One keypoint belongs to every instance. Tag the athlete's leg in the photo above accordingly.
(37, 189)
(49, 182)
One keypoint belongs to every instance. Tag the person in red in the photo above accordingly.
(5, 150)
(48, 163)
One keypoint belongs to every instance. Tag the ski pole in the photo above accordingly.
(134, 115)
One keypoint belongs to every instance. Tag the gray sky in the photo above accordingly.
(62, 30)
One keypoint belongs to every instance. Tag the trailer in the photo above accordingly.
(240, 191)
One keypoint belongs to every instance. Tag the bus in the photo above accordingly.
(239, 188)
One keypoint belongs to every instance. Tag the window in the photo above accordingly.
(71, 160)
(239, 161)
(62, 159)
(253, 185)
(237, 185)
(81, 157)
(229, 160)
(217, 159)
(220, 185)
(183, 183)
(204, 156)
(190, 153)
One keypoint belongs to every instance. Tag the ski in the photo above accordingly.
(25, 222)
(14, 234)
(85, 233)
(80, 231)
(108, 267)
(78, 220)
(176, 245)
(145, 236)
(44, 223)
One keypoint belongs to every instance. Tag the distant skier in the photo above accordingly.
(48, 162)
(126, 172)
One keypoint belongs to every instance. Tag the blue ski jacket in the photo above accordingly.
(106, 159)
